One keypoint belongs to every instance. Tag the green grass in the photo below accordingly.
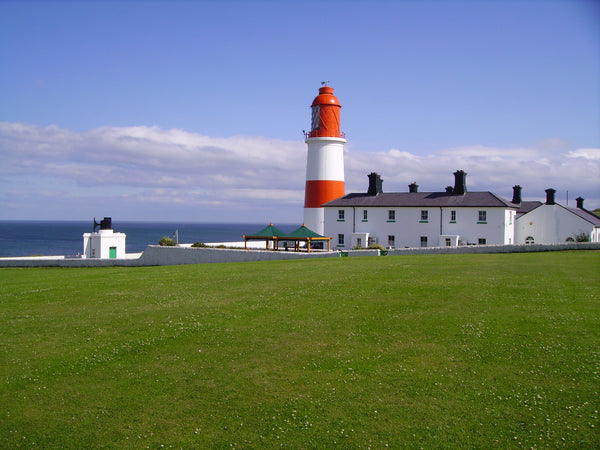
(465, 351)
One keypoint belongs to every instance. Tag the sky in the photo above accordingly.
(194, 111)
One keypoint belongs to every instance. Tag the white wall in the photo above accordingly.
(408, 228)
(551, 224)
(98, 244)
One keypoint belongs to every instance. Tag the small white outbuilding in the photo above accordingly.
(105, 243)
(551, 223)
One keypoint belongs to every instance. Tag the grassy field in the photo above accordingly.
(465, 351)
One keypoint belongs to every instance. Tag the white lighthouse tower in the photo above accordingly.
(325, 158)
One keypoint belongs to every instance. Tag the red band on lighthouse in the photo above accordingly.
(322, 191)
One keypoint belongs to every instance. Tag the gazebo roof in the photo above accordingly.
(270, 231)
(304, 232)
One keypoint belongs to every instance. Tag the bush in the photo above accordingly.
(582, 237)
(167, 241)
(376, 247)
(199, 244)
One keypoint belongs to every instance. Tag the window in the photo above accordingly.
(392, 241)
(391, 215)
(482, 217)
(365, 215)
(481, 241)
(424, 216)
(358, 242)
(452, 216)
(341, 215)
(340, 239)
(448, 242)
(423, 241)
(529, 240)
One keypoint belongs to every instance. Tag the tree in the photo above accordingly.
(167, 241)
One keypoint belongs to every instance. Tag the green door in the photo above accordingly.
(112, 252)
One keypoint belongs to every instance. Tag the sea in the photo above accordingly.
(49, 238)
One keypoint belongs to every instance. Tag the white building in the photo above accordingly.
(104, 243)
(551, 223)
(420, 219)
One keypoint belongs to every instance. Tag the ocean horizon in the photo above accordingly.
(58, 237)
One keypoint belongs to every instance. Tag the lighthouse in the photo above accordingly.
(325, 158)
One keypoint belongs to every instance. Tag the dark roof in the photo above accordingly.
(525, 207)
(423, 199)
(585, 214)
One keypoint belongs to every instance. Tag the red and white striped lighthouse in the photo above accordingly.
(325, 158)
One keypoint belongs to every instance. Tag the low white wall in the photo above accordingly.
(155, 255)
(497, 249)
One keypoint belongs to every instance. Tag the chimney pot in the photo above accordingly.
(516, 195)
(550, 196)
(375, 184)
(413, 187)
(579, 202)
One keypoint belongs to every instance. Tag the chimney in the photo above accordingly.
(550, 196)
(460, 182)
(579, 201)
(413, 187)
(516, 195)
(375, 184)
(448, 189)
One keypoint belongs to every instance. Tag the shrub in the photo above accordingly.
(167, 241)
(582, 237)
(377, 247)
(199, 244)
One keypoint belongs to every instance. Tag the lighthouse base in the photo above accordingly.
(314, 219)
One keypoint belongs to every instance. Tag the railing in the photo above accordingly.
(317, 133)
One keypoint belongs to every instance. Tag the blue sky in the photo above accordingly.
(194, 111)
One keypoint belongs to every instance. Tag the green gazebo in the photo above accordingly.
(267, 234)
(273, 234)
(304, 234)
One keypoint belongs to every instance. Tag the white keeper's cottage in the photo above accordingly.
(420, 219)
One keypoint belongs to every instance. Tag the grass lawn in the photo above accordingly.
(464, 351)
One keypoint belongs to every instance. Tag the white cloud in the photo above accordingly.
(586, 153)
(147, 172)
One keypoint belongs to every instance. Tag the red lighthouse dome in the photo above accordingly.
(325, 114)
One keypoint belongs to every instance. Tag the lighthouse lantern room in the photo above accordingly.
(325, 158)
